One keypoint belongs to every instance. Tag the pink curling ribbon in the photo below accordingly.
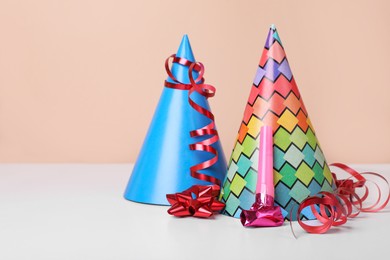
(335, 208)
(263, 212)
(206, 90)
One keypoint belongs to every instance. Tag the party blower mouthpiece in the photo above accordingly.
(263, 212)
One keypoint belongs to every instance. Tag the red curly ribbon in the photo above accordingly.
(206, 90)
(198, 201)
(335, 208)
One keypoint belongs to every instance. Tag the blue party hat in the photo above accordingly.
(163, 165)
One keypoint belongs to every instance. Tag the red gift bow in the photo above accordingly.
(335, 208)
(348, 186)
(198, 201)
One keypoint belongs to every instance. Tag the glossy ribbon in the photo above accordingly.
(198, 201)
(335, 208)
(206, 90)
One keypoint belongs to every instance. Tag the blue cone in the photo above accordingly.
(163, 165)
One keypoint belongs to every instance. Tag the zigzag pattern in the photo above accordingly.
(300, 168)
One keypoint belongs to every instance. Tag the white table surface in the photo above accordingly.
(77, 211)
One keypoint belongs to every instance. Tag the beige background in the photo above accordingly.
(79, 80)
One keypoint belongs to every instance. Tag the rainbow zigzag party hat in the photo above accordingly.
(164, 163)
(300, 168)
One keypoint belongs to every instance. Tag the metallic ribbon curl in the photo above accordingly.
(206, 90)
(335, 208)
(198, 201)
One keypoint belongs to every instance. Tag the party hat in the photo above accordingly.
(300, 168)
(163, 165)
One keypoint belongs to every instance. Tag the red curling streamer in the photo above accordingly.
(335, 208)
(206, 90)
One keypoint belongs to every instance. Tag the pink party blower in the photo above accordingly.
(263, 212)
